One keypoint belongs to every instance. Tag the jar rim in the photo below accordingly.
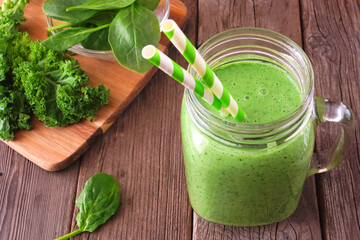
(233, 125)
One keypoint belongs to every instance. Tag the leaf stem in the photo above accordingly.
(64, 25)
(101, 27)
(69, 235)
(61, 26)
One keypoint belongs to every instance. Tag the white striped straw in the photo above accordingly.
(159, 59)
(183, 44)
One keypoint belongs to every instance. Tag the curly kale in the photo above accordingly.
(37, 80)
(14, 112)
(14, 109)
(11, 15)
(53, 87)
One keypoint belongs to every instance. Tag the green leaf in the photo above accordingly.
(97, 202)
(102, 5)
(102, 18)
(11, 15)
(6, 132)
(81, 104)
(13, 10)
(67, 38)
(53, 85)
(14, 111)
(150, 4)
(4, 66)
(57, 9)
(98, 41)
(36, 80)
(133, 28)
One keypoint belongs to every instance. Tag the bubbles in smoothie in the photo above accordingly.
(263, 91)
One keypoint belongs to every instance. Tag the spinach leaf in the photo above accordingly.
(102, 5)
(102, 18)
(133, 28)
(69, 37)
(97, 203)
(98, 41)
(57, 9)
(150, 4)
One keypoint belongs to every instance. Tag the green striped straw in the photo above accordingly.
(171, 68)
(182, 43)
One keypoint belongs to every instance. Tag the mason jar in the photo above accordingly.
(244, 174)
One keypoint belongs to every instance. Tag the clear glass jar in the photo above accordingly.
(253, 174)
(162, 13)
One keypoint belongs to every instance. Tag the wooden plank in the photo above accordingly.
(284, 17)
(34, 204)
(124, 86)
(332, 41)
(143, 151)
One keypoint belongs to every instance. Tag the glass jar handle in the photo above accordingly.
(337, 112)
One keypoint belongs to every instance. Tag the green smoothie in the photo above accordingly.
(247, 186)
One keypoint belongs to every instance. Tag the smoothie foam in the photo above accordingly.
(265, 91)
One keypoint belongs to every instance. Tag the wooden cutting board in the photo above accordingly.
(56, 148)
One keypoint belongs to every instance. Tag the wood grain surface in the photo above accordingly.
(56, 148)
(283, 17)
(332, 41)
(143, 147)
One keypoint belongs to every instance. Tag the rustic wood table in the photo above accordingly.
(143, 148)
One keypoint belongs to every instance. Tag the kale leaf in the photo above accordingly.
(34, 79)
(53, 86)
(14, 110)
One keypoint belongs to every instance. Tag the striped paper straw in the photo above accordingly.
(182, 43)
(159, 59)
